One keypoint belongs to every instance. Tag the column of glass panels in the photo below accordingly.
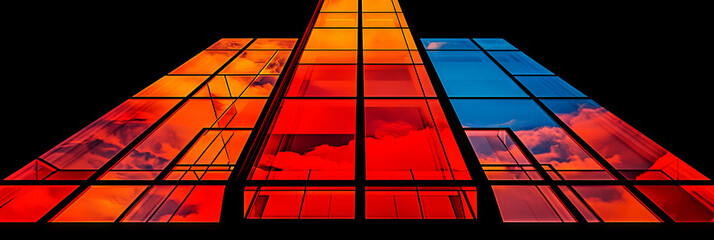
(173, 144)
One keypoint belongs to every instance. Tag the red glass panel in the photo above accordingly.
(172, 86)
(402, 143)
(615, 204)
(324, 80)
(429, 203)
(243, 113)
(391, 81)
(530, 204)
(206, 62)
(149, 203)
(230, 43)
(100, 204)
(93, 146)
(299, 202)
(683, 203)
(203, 205)
(30, 203)
(312, 138)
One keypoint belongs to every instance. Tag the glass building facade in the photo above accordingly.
(358, 120)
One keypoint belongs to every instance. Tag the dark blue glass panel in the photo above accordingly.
(549, 86)
(448, 43)
(472, 74)
(494, 44)
(518, 63)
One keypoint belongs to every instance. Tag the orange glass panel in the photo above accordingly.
(206, 62)
(402, 21)
(30, 203)
(339, 6)
(249, 62)
(225, 86)
(242, 114)
(172, 86)
(150, 202)
(683, 203)
(261, 86)
(336, 20)
(387, 57)
(396, 5)
(230, 43)
(402, 143)
(329, 57)
(615, 204)
(530, 204)
(170, 204)
(383, 39)
(216, 147)
(425, 80)
(310, 139)
(377, 6)
(203, 205)
(582, 208)
(93, 146)
(391, 81)
(324, 80)
(159, 148)
(380, 20)
(100, 204)
(298, 202)
(332, 39)
(273, 43)
(276, 65)
(409, 38)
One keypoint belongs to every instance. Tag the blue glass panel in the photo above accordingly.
(472, 74)
(448, 43)
(549, 86)
(548, 143)
(494, 44)
(518, 63)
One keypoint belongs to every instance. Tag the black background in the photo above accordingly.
(68, 64)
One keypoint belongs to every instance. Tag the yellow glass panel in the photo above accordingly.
(332, 39)
(336, 20)
(380, 20)
(339, 6)
(377, 6)
(384, 39)
(329, 57)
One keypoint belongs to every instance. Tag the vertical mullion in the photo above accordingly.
(360, 161)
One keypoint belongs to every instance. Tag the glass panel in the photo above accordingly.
(310, 138)
(448, 43)
(150, 202)
(332, 39)
(530, 204)
(548, 143)
(323, 81)
(408, 203)
(380, 20)
(619, 143)
(328, 57)
(615, 204)
(100, 204)
(377, 6)
(230, 43)
(518, 63)
(403, 57)
(391, 81)
(298, 202)
(273, 43)
(494, 44)
(172, 86)
(683, 203)
(203, 205)
(30, 203)
(496, 147)
(377, 39)
(339, 6)
(336, 20)
(248, 62)
(243, 113)
(206, 62)
(261, 86)
(159, 148)
(94, 145)
(402, 143)
(472, 74)
(275, 66)
(225, 86)
(549, 86)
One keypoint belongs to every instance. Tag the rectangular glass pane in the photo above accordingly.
(391, 81)
(494, 44)
(336, 20)
(549, 86)
(530, 204)
(172, 86)
(230, 44)
(99, 204)
(206, 62)
(518, 63)
(324, 81)
(448, 44)
(326, 39)
(339, 6)
(683, 203)
(301, 203)
(384, 39)
(472, 74)
(615, 204)
(30, 203)
(380, 20)
(410, 203)
(327, 57)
